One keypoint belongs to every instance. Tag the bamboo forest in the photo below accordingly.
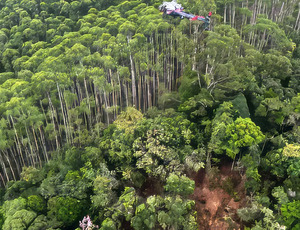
(119, 115)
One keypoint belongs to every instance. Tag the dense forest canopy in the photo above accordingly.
(110, 109)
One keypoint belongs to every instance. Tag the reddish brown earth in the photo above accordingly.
(218, 197)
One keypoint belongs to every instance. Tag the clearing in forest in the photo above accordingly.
(218, 196)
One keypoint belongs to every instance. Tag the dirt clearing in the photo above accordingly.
(218, 196)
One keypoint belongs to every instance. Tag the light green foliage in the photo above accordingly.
(155, 142)
(74, 184)
(268, 221)
(158, 160)
(195, 159)
(108, 224)
(198, 6)
(1, 219)
(248, 214)
(19, 220)
(275, 161)
(285, 165)
(49, 186)
(39, 223)
(134, 176)
(291, 214)
(168, 100)
(10, 207)
(32, 175)
(263, 217)
(117, 145)
(179, 185)
(5, 76)
(144, 218)
(270, 28)
(8, 56)
(291, 150)
(224, 117)
(128, 201)
(73, 158)
(280, 195)
(124, 208)
(104, 192)
(296, 103)
(169, 212)
(242, 133)
(225, 70)
(56, 170)
(173, 130)
(177, 214)
(127, 120)
(253, 177)
(276, 66)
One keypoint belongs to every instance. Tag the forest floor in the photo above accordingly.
(218, 196)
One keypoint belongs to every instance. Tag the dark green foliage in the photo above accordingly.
(36, 203)
(1, 220)
(198, 105)
(66, 210)
(15, 189)
(189, 86)
(73, 158)
(228, 186)
(93, 155)
(240, 104)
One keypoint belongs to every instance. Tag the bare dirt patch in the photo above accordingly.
(218, 196)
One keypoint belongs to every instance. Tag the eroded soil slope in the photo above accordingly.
(218, 195)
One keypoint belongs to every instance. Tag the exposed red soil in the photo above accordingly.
(218, 197)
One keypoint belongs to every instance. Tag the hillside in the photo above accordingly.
(141, 120)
